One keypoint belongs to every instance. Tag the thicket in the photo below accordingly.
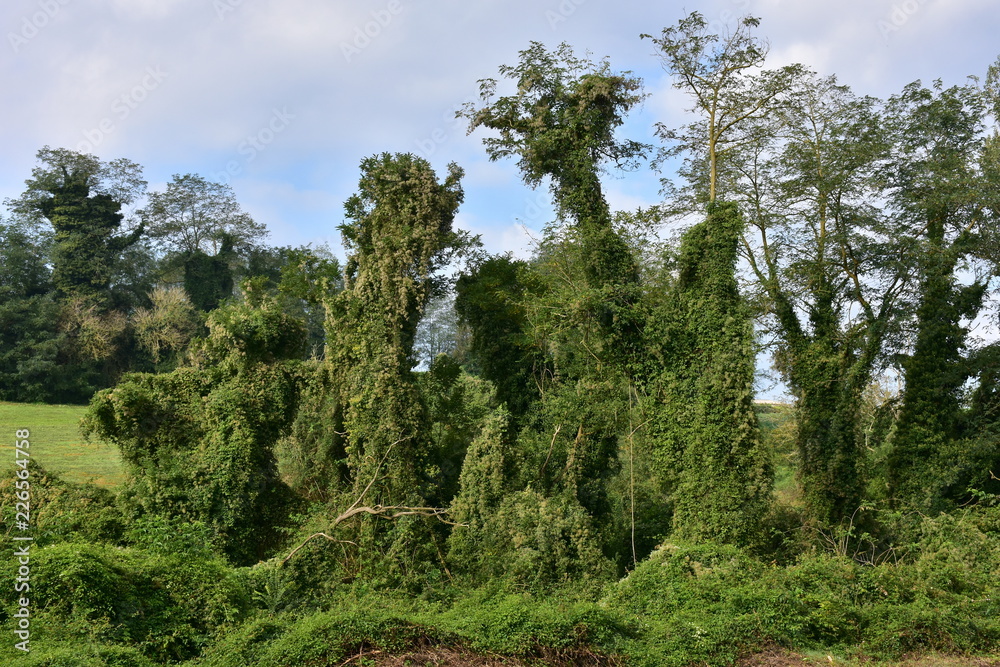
(586, 477)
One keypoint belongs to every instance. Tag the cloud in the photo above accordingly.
(231, 63)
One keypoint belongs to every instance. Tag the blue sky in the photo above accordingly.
(283, 99)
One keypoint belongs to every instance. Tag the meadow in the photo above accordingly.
(57, 443)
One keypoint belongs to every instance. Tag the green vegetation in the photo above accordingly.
(59, 444)
(289, 471)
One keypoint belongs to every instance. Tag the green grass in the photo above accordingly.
(57, 444)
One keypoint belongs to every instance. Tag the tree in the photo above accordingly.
(82, 198)
(398, 235)
(31, 343)
(208, 279)
(698, 374)
(944, 193)
(166, 328)
(193, 214)
(557, 335)
(726, 91)
(561, 124)
(825, 271)
(198, 442)
(697, 389)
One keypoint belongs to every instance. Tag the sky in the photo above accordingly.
(283, 99)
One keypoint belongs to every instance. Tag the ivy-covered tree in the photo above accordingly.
(198, 442)
(824, 273)
(698, 390)
(561, 124)
(944, 193)
(82, 197)
(398, 235)
(698, 376)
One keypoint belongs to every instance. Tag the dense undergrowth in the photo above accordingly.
(151, 593)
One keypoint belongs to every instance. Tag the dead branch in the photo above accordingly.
(388, 512)
(308, 539)
(541, 474)
(383, 512)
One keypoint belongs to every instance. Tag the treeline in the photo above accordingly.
(607, 371)
(602, 403)
(99, 277)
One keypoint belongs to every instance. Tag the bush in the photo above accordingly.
(323, 638)
(64, 511)
(167, 607)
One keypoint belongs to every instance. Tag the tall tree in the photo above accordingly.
(194, 214)
(944, 193)
(82, 198)
(723, 76)
(698, 389)
(561, 125)
(578, 315)
(824, 269)
(698, 376)
(398, 235)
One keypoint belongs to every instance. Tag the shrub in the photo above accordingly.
(167, 607)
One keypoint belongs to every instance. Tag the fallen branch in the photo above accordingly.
(388, 513)
(383, 512)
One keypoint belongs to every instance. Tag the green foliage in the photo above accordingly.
(490, 301)
(167, 606)
(459, 406)
(700, 391)
(323, 638)
(313, 457)
(81, 197)
(195, 215)
(522, 625)
(199, 441)
(400, 233)
(208, 279)
(529, 538)
(76, 653)
(711, 603)
(62, 511)
(939, 187)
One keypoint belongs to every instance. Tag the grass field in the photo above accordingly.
(57, 444)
